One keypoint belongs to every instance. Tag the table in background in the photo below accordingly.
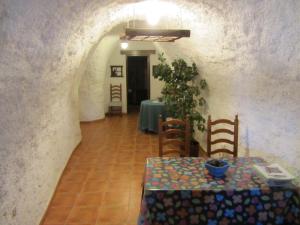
(180, 191)
(149, 114)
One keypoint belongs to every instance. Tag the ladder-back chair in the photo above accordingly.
(233, 132)
(174, 133)
(115, 105)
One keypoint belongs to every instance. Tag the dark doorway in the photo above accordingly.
(138, 83)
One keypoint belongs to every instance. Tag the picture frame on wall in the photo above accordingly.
(154, 69)
(116, 71)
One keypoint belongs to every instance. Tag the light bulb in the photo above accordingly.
(153, 18)
(124, 45)
(153, 11)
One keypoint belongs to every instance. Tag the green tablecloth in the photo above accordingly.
(149, 114)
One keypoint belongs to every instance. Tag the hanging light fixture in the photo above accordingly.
(124, 44)
(154, 12)
(154, 35)
(153, 18)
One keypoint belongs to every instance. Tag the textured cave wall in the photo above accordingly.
(43, 47)
(249, 55)
(92, 87)
(247, 50)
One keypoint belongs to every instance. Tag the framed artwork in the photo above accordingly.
(154, 69)
(116, 71)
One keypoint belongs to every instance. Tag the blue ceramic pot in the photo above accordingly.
(217, 171)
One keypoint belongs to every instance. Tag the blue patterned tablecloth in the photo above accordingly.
(180, 191)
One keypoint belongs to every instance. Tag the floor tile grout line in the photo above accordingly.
(78, 195)
(140, 140)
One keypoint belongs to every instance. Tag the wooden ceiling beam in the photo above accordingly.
(161, 34)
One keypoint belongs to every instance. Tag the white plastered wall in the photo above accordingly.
(247, 50)
(92, 91)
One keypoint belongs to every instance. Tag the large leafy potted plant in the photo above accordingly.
(182, 93)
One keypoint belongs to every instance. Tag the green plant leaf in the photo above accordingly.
(182, 90)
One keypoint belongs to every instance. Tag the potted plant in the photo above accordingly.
(217, 168)
(182, 93)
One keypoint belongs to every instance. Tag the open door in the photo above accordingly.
(138, 81)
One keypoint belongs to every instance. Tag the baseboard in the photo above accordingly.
(92, 121)
(107, 114)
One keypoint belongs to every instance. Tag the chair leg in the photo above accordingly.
(114, 111)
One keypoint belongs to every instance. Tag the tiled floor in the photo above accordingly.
(102, 181)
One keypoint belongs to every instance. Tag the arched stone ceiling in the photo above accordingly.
(247, 50)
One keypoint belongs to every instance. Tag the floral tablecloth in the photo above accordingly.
(180, 191)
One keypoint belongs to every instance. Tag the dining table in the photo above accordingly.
(150, 110)
(181, 191)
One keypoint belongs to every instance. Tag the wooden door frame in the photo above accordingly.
(139, 54)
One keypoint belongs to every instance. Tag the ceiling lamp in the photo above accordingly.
(155, 35)
(153, 11)
(153, 19)
(124, 44)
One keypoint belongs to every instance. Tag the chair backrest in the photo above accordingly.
(115, 93)
(174, 133)
(233, 133)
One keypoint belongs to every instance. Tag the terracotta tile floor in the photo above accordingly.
(101, 184)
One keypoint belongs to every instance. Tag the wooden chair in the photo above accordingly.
(231, 132)
(176, 133)
(115, 105)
